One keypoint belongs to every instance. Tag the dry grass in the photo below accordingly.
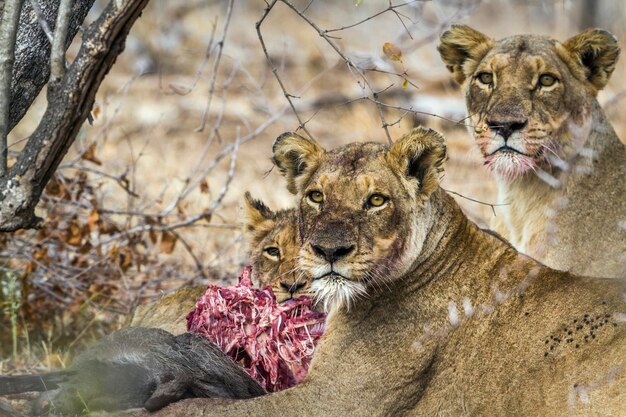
(139, 156)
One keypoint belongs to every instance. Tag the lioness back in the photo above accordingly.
(558, 163)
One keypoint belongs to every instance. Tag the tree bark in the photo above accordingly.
(69, 103)
(32, 52)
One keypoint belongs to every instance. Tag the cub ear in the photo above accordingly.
(461, 49)
(295, 156)
(420, 155)
(596, 51)
(257, 216)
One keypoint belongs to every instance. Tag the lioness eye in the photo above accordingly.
(547, 80)
(272, 251)
(316, 197)
(485, 77)
(376, 200)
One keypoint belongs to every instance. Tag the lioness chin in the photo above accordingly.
(559, 165)
(449, 319)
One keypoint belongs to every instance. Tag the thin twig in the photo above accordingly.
(288, 96)
(42, 21)
(388, 9)
(348, 61)
(207, 55)
(229, 178)
(216, 63)
(8, 33)
(492, 205)
(57, 56)
(191, 253)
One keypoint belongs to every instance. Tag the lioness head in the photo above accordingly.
(529, 97)
(364, 209)
(272, 239)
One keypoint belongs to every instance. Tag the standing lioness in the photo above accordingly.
(560, 167)
(443, 318)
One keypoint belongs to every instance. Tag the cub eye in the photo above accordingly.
(272, 251)
(376, 200)
(485, 77)
(316, 197)
(547, 80)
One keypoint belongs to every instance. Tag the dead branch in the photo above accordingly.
(69, 103)
(288, 96)
(216, 63)
(362, 79)
(42, 20)
(8, 33)
(32, 51)
(57, 56)
(391, 7)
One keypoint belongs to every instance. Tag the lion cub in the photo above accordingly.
(558, 163)
(272, 239)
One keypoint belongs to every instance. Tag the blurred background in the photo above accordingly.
(148, 198)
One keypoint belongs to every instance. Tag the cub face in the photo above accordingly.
(272, 239)
(363, 209)
(529, 98)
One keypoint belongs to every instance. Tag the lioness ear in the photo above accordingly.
(597, 52)
(420, 155)
(294, 156)
(257, 216)
(461, 49)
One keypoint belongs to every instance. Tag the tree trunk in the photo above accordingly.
(69, 103)
(32, 52)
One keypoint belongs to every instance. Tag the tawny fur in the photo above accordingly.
(563, 187)
(262, 228)
(463, 325)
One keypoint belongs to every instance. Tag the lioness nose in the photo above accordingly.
(332, 254)
(292, 288)
(506, 127)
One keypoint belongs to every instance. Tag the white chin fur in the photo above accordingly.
(335, 292)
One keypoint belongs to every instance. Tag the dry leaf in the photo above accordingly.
(204, 186)
(95, 112)
(90, 155)
(392, 52)
(168, 242)
(93, 221)
(74, 234)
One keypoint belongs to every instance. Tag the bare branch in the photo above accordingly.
(348, 61)
(388, 9)
(31, 70)
(8, 34)
(57, 56)
(216, 63)
(68, 107)
(288, 96)
(42, 20)
(492, 205)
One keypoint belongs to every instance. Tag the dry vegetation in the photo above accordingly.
(147, 200)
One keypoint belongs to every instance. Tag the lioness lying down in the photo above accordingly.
(559, 165)
(443, 318)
